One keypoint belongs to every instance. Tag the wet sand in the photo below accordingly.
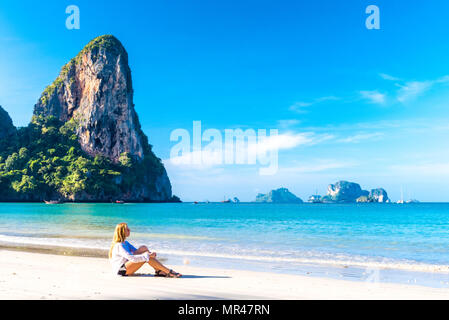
(28, 275)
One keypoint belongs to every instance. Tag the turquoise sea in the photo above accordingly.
(406, 243)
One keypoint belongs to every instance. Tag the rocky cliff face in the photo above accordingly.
(6, 127)
(378, 195)
(344, 191)
(94, 91)
(281, 195)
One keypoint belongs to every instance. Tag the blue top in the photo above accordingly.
(128, 247)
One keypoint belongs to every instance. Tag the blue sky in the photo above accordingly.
(369, 106)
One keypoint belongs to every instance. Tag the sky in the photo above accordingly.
(349, 103)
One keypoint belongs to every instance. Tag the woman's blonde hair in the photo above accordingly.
(119, 236)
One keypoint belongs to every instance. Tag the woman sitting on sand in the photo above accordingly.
(126, 259)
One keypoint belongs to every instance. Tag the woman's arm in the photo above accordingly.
(144, 257)
(132, 250)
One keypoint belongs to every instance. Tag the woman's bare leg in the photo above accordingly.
(132, 267)
(158, 266)
(153, 261)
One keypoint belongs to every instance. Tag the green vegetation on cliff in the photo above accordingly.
(45, 161)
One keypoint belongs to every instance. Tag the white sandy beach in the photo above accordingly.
(43, 276)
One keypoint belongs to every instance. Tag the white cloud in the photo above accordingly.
(321, 138)
(410, 90)
(206, 159)
(388, 77)
(317, 166)
(301, 107)
(423, 169)
(374, 96)
(444, 79)
(327, 98)
(413, 89)
(284, 141)
(361, 137)
(288, 123)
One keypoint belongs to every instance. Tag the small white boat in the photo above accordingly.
(53, 201)
(402, 198)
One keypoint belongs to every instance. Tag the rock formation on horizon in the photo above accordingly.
(375, 195)
(344, 191)
(281, 195)
(350, 192)
(378, 195)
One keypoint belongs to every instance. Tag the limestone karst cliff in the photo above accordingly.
(95, 90)
(344, 191)
(378, 195)
(6, 127)
(350, 192)
(85, 141)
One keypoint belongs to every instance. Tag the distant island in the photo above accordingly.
(84, 142)
(340, 192)
(281, 195)
(349, 192)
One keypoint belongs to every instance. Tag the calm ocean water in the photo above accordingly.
(272, 237)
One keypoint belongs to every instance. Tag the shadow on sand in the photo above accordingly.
(184, 276)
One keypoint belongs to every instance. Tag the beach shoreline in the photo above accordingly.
(28, 275)
(346, 243)
(434, 277)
